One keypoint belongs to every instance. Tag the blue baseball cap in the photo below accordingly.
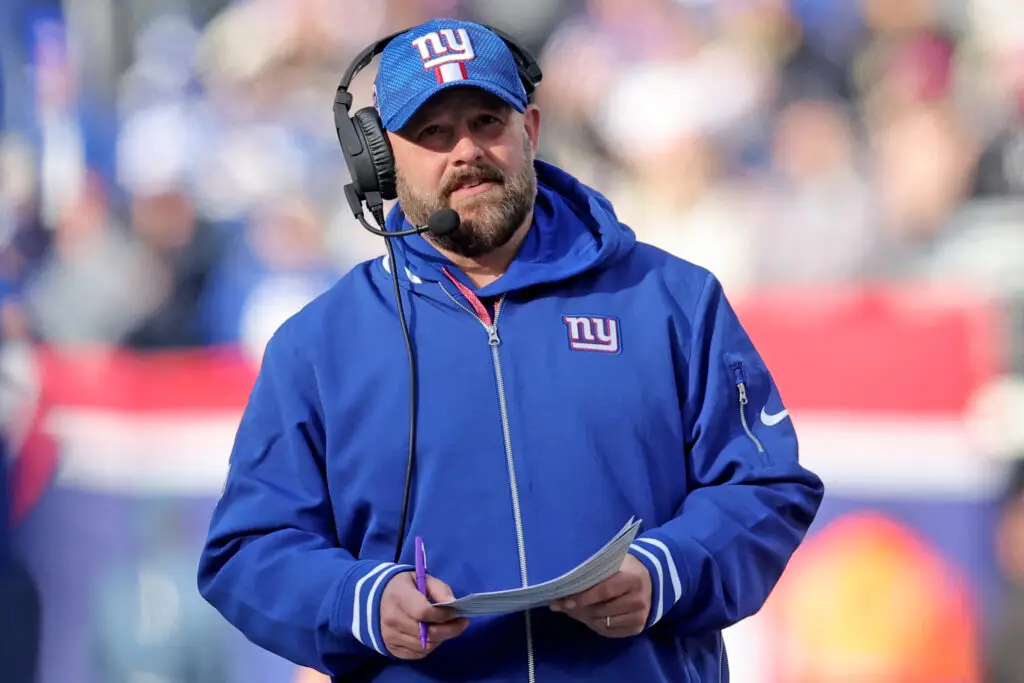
(438, 55)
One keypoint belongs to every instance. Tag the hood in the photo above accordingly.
(574, 230)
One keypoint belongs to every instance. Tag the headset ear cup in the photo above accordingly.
(379, 147)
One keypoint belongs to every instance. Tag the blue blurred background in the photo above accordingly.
(853, 170)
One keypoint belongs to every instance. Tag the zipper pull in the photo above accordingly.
(492, 335)
(743, 393)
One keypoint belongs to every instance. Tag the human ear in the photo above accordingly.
(531, 121)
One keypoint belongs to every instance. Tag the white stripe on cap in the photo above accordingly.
(451, 72)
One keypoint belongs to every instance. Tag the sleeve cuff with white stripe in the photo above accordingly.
(666, 581)
(359, 607)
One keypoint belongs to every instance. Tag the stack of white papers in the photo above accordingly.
(601, 565)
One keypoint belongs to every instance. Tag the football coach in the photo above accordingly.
(512, 383)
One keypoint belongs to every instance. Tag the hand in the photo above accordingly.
(403, 607)
(617, 607)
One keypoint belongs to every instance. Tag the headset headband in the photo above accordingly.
(363, 59)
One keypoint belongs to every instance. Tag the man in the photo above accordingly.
(569, 378)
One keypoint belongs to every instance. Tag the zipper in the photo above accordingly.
(721, 656)
(495, 341)
(741, 385)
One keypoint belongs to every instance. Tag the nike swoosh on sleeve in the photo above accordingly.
(773, 419)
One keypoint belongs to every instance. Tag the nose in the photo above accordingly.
(466, 149)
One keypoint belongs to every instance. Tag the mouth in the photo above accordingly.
(471, 187)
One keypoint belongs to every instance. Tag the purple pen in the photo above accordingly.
(421, 582)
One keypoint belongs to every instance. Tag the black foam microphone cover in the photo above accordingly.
(443, 222)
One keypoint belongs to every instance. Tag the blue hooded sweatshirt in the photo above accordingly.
(608, 380)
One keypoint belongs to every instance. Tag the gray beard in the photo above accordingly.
(496, 220)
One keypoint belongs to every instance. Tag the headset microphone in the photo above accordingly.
(440, 223)
(443, 222)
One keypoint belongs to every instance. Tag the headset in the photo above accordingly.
(371, 165)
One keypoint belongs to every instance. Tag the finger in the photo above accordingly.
(615, 586)
(408, 652)
(398, 641)
(409, 638)
(438, 633)
(617, 626)
(438, 590)
(625, 616)
(398, 624)
(418, 608)
(429, 614)
(609, 589)
(623, 604)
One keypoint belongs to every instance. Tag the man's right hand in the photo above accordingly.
(403, 607)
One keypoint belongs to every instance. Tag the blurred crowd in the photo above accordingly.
(170, 176)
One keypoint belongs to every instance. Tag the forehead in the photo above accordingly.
(458, 100)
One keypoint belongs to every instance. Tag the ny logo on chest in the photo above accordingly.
(592, 333)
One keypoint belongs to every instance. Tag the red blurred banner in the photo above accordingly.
(877, 350)
(880, 350)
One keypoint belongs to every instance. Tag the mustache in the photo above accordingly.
(478, 173)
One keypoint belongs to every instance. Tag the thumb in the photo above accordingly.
(438, 590)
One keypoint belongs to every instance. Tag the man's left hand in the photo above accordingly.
(617, 607)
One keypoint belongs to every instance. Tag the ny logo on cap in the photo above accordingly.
(446, 52)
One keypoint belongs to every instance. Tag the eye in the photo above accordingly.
(430, 131)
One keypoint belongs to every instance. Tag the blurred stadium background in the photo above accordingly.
(852, 169)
